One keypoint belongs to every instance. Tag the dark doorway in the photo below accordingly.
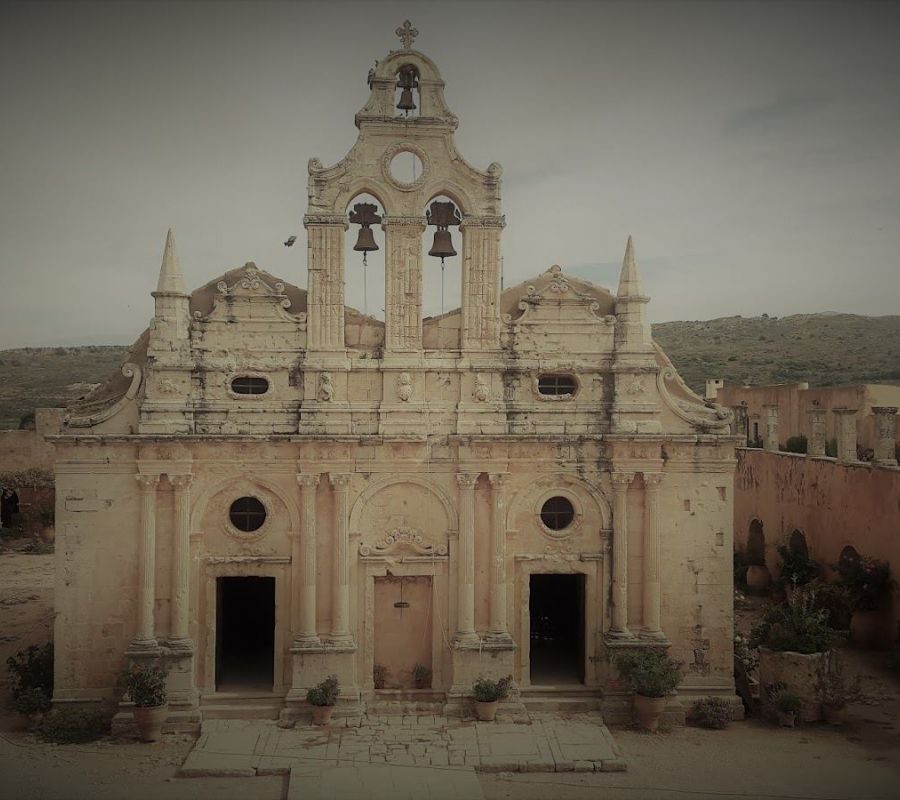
(245, 634)
(9, 507)
(556, 609)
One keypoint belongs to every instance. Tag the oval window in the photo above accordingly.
(247, 514)
(557, 385)
(249, 384)
(557, 513)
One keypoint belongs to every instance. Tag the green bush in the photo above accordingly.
(796, 444)
(797, 626)
(797, 568)
(32, 701)
(867, 580)
(75, 725)
(31, 671)
(487, 691)
(712, 712)
(651, 673)
(145, 685)
(787, 702)
(324, 693)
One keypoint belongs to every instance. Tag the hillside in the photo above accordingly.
(820, 348)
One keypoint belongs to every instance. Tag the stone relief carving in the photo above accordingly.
(510, 387)
(167, 386)
(705, 416)
(403, 538)
(481, 391)
(326, 387)
(404, 386)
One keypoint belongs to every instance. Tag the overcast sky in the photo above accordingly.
(752, 149)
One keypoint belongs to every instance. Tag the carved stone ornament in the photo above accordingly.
(482, 391)
(703, 416)
(404, 386)
(403, 539)
(326, 387)
(405, 147)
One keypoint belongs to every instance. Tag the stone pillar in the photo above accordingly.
(340, 604)
(303, 566)
(885, 435)
(771, 440)
(620, 482)
(498, 620)
(180, 638)
(145, 639)
(403, 283)
(651, 583)
(817, 436)
(845, 433)
(741, 422)
(325, 282)
(481, 283)
(465, 570)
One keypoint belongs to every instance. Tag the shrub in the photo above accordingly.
(32, 701)
(487, 691)
(324, 693)
(651, 673)
(867, 580)
(145, 685)
(31, 670)
(796, 566)
(712, 712)
(420, 673)
(834, 599)
(796, 444)
(796, 626)
(74, 725)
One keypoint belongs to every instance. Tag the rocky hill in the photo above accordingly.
(820, 348)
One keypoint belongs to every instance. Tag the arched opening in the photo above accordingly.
(364, 267)
(9, 507)
(797, 544)
(756, 545)
(849, 556)
(441, 277)
(407, 97)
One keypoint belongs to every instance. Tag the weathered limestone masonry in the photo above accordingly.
(401, 485)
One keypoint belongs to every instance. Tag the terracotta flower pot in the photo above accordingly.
(758, 578)
(486, 712)
(321, 715)
(150, 721)
(786, 719)
(649, 710)
(833, 715)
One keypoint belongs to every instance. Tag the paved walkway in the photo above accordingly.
(401, 756)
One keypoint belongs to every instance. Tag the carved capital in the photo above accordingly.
(322, 220)
(147, 483)
(498, 479)
(498, 222)
(466, 479)
(181, 482)
(621, 480)
(652, 480)
(308, 480)
(340, 481)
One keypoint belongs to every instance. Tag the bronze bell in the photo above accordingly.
(364, 215)
(365, 242)
(442, 247)
(406, 82)
(406, 100)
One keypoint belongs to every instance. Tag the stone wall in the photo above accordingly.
(27, 449)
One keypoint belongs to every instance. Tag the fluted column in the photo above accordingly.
(620, 482)
(885, 435)
(403, 283)
(465, 612)
(303, 566)
(816, 442)
(181, 564)
(325, 280)
(771, 440)
(845, 433)
(651, 583)
(498, 621)
(481, 282)
(145, 639)
(340, 603)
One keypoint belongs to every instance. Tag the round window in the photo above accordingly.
(406, 168)
(247, 514)
(557, 513)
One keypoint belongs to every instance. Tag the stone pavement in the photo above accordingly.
(379, 756)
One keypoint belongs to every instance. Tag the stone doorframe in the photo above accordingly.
(214, 567)
(594, 567)
(377, 566)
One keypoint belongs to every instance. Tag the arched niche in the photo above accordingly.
(797, 543)
(756, 544)
(849, 556)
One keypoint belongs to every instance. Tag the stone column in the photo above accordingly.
(651, 587)
(340, 604)
(145, 639)
(403, 283)
(885, 435)
(845, 433)
(325, 282)
(741, 422)
(771, 440)
(620, 482)
(181, 565)
(303, 566)
(816, 445)
(481, 283)
(465, 571)
(498, 620)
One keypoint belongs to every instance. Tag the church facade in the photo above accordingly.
(279, 487)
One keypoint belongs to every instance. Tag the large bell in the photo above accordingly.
(442, 247)
(365, 242)
(406, 82)
(406, 100)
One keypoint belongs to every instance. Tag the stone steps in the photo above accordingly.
(395, 702)
(233, 705)
(551, 699)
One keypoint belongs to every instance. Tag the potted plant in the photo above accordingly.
(835, 690)
(421, 675)
(379, 675)
(793, 638)
(322, 697)
(787, 707)
(868, 583)
(652, 676)
(146, 686)
(488, 694)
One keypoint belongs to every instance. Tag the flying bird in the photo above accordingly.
(290, 241)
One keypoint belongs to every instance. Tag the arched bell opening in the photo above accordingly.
(407, 98)
(442, 249)
(364, 248)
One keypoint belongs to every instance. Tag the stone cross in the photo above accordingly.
(407, 33)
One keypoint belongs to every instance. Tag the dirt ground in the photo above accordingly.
(751, 759)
